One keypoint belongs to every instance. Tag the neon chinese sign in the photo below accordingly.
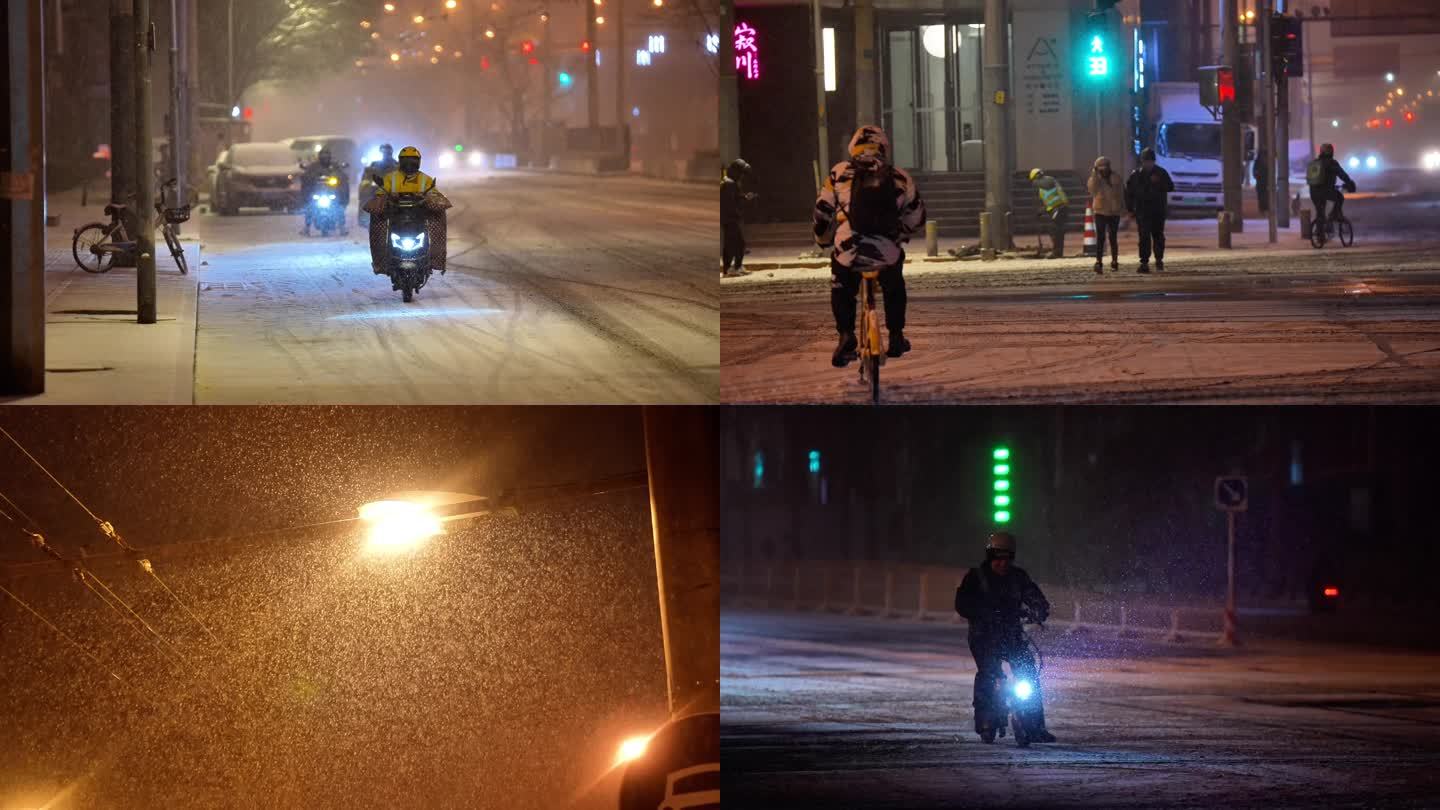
(747, 51)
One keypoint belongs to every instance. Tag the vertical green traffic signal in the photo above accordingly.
(1000, 483)
(814, 461)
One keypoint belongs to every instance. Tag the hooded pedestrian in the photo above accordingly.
(732, 217)
(1147, 197)
(1107, 193)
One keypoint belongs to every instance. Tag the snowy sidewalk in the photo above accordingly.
(95, 352)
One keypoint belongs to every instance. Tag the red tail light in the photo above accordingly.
(1332, 592)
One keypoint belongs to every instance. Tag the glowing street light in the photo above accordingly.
(389, 8)
(631, 750)
(599, 20)
(434, 60)
(394, 57)
(451, 4)
(439, 48)
(398, 526)
(419, 18)
(489, 33)
(1390, 77)
(364, 23)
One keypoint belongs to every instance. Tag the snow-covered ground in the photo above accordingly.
(833, 711)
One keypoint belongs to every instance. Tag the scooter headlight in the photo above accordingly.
(324, 200)
(407, 243)
(1024, 689)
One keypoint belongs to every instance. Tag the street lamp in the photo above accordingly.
(389, 8)
(419, 19)
(631, 749)
(397, 526)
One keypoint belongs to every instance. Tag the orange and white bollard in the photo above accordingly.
(1091, 247)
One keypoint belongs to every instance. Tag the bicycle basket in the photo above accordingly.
(175, 216)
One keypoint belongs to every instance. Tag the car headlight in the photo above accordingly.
(447, 160)
(476, 160)
(1372, 162)
(323, 200)
(1431, 161)
(1353, 162)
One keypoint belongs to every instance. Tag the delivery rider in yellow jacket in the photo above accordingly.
(408, 179)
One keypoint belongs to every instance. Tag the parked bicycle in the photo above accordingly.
(96, 244)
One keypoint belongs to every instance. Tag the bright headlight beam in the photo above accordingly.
(1024, 689)
(397, 526)
(631, 750)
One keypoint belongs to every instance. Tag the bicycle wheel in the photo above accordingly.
(1317, 234)
(1345, 232)
(86, 238)
(176, 249)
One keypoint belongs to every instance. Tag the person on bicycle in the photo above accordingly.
(1321, 175)
(997, 598)
(866, 213)
(408, 179)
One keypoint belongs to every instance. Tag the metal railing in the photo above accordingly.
(926, 593)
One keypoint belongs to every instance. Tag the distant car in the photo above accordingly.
(342, 149)
(262, 175)
(693, 788)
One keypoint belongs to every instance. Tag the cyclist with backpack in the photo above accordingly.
(1321, 175)
(866, 213)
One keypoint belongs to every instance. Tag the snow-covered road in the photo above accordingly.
(560, 289)
(834, 711)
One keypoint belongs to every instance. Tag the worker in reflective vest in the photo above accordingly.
(1057, 208)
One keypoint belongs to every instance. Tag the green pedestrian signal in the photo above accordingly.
(814, 461)
(1095, 47)
(1000, 484)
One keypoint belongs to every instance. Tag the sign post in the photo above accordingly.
(1231, 497)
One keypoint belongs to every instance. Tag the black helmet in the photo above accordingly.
(1148, 153)
(325, 156)
(1000, 544)
(387, 150)
(1327, 150)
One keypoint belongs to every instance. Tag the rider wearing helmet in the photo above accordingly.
(996, 598)
(372, 176)
(1056, 207)
(408, 179)
(1321, 175)
(324, 166)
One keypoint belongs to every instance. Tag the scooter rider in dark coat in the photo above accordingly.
(996, 599)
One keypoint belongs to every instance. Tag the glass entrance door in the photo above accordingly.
(932, 96)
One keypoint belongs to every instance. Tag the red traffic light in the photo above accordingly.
(527, 47)
(1332, 591)
(484, 63)
(585, 45)
(249, 113)
(1225, 85)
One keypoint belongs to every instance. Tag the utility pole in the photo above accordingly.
(729, 86)
(592, 72)
(1282, 151)
(230, 53)
(996, 88)
(822, 127)
(1268, 82)
(179, 136)
(865, 62)
(144, 170)
(1230, 122)
(621, 119)
(546, 88)
(22, 199)
(683, 464)
(122, 119)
